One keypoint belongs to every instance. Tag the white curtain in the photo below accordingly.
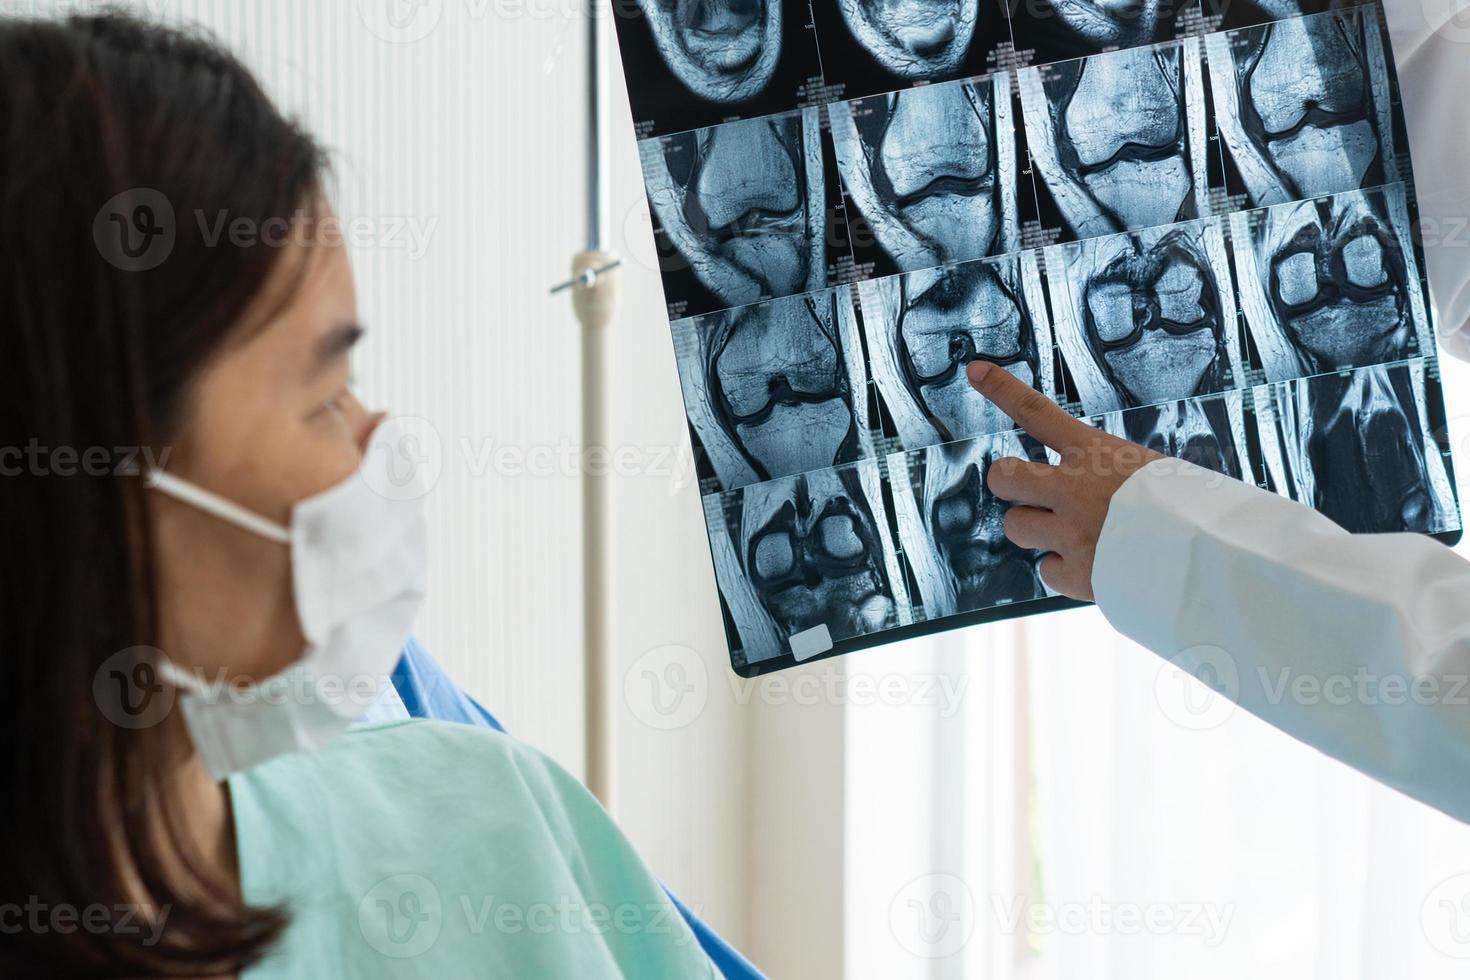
(1182, 836)
(1089, 811)
(937, 807)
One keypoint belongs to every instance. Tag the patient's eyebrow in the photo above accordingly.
(335, 343)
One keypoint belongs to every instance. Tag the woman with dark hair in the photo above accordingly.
(203, 544)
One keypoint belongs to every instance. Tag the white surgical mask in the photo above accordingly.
(358, 568)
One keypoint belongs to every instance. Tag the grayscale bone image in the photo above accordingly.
(1331, 284)
(1232, 14)
(1056, 30)
(1119, 138)
(1208, 432)
(931, 171)
(692, 63)
(741, 209)
(924, 328)
(871, 46)
(952, 528)
(1304, 106)
(775, 389)
(1146, 318)
(805, 552)
(919, 39)
(1358, 447)
(721, 50)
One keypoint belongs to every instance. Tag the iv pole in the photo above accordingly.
(596, 289)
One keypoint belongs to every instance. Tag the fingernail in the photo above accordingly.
(978, 370)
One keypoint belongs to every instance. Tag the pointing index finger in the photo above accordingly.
(1026, 406)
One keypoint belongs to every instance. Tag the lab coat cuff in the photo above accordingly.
(1141, 565)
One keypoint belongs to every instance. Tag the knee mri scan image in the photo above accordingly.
(803, 554)
(694, 64)
(1208, 432)
(951, 527)
(1360, 447)
(1118, 140)
(1232, 14)
(871, 46)
(1057, 30)
(930, 173)
(1331, 284)
(1190, 224)
(1304, 107)
(1147, 317)
(740, 211)
(924, 328)
(775, 389)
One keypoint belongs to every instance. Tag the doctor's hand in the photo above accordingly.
(1058, 509)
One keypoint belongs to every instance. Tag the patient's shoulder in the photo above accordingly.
(426, 760)
(470, 822)
(434, 780)
(424, 739)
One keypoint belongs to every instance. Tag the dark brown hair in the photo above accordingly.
(115, 137)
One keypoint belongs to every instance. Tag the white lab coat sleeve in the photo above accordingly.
(1431, 48)
(1358, 645)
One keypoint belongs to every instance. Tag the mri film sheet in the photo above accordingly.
(873, 46)
(742, 212)
(924, 328)
(1361, 447)
(1118, 141)
(1230, 14)
(1146, 317)
(775, 389)
(805, 562)
(1208, 432)
(929, 175)
(695, 64)
(951, 527)
(1306, 107)
(1190, 223)
(1332, 283)
(1056, 30)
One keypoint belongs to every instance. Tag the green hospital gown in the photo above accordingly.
(426, 849)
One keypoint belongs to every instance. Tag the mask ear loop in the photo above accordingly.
(212, 503)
